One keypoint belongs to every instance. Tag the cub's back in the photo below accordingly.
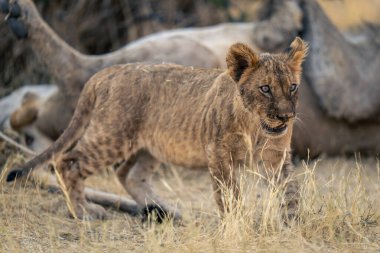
(159, 87)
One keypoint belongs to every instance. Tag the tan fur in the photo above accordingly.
(27, 113)
(196, 118)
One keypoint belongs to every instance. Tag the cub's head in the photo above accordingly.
(268, 83)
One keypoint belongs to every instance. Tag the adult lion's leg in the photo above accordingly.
(26, 23)
(135, 175)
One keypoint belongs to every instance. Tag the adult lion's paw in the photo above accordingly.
(4, 6)
(13, 9)
(13, 12)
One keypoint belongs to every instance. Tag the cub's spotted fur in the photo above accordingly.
(197, 118)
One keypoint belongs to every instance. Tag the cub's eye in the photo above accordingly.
(265, 89)
(293, 87)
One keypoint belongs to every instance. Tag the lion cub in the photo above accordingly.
(145, 114)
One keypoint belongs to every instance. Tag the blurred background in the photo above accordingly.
(102, 26)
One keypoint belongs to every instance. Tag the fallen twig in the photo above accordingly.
(21, 147)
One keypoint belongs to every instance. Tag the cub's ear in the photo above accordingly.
(296, 55)
(239, 58)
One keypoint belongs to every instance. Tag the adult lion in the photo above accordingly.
(333, 119)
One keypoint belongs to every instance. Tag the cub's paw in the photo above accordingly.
(290, 214)
(90, 211)
(13, 13)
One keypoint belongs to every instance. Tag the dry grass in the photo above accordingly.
(339, 212)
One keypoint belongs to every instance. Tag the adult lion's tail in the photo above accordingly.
(78, 123)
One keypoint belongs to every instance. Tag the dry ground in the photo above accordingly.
(340, 213)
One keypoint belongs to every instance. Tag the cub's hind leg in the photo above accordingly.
(85, 159)
(136, 175)
(74, 169)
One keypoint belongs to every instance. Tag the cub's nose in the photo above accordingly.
(285, 117)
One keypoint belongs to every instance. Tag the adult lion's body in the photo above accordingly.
(196, 118)
(345, 117)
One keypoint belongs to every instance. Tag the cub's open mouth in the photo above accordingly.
(274, 130)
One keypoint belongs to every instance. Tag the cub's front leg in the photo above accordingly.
(278, 166)
(225, 158)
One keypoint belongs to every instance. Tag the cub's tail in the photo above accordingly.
(78, 123)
